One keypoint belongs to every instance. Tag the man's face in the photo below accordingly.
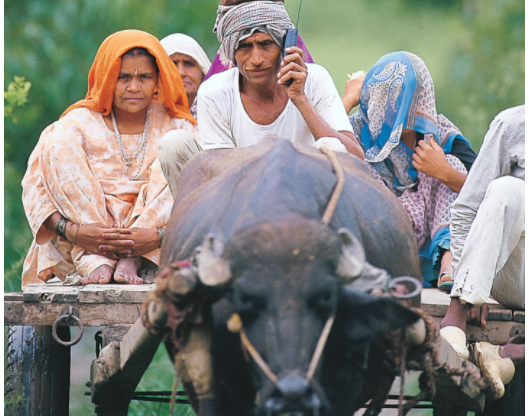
(258, 58)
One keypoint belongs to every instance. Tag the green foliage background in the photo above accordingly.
(473, 48)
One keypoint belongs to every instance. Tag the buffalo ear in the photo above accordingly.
(352, 259)
(366, 315)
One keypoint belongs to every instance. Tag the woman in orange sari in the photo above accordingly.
(94, 193)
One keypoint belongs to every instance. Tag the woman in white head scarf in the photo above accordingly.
(191, 61)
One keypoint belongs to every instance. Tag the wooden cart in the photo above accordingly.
(41, 366)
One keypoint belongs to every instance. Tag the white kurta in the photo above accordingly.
(225, 124)
(488, 218)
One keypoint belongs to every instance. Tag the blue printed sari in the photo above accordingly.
(398, 94)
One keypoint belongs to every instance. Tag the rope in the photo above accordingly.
(403, 353)
(235, 326)
(338, 189)
(319, 348)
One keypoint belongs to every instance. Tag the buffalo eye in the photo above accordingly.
(247, 303)
(324, 302)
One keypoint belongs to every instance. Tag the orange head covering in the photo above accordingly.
(103, 75)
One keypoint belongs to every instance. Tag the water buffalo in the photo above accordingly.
(251, 219)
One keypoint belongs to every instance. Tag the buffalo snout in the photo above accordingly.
(293, 395)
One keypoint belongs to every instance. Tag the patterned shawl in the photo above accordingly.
(397, 94)
(104, 72)
(235, 23)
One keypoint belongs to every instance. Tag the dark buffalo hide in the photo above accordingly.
(261, 208)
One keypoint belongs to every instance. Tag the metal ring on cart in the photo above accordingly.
(68, 318)
(404, 279)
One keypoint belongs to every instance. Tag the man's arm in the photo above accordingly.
(320, 128)
(212, 111)
(294, 68)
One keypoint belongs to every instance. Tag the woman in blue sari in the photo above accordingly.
(419, 155)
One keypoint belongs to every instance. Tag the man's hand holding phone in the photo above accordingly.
(293, 68)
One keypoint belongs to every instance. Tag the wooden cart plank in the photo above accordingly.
(435, 303)
(114, 333)
(110, 293)
(50, 293)
(13, 296)
(519, 316)
(496, 332)
(114, 293)
(91, 314)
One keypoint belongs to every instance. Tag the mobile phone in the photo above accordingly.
(418, 138)
(291, 39)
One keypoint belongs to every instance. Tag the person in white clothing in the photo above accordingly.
(241, 106)
(229, 124)
(488, 245)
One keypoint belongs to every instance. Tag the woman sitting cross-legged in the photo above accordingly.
(419, 155)
(94, 193)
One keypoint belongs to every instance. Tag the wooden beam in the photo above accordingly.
(98, 305)
(114, 293)
(111, 293)
(114, 333)
(519, 316)
(496, 332)
(120, 366)
(45, 314)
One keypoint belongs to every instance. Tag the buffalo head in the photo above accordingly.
(286, 280)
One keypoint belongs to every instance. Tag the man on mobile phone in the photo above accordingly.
(243, 105)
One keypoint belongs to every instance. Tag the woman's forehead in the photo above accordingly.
(177, 56)
(129, 63)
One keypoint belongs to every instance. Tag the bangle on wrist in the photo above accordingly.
(75, 233)
(60, 227)
(161, 234)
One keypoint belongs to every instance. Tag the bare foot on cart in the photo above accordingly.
(101, 275)
(127, 271)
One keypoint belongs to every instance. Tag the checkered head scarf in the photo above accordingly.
(236, 23)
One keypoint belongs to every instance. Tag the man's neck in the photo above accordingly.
(262, 103)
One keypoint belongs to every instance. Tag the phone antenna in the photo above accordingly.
(299, 12)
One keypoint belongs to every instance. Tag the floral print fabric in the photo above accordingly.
(78, 170)
(398, 94)
(429, 206)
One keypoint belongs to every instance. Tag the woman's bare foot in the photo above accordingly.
(101, 275)
(127, 271)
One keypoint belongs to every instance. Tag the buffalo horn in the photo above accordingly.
(353, 258)
(417, 333)
(213, 270)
